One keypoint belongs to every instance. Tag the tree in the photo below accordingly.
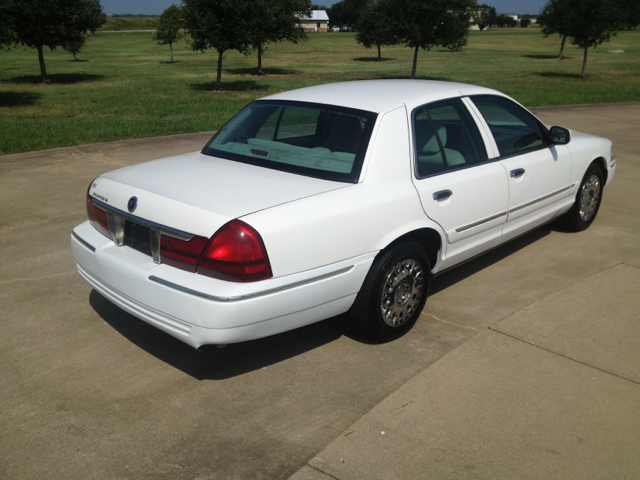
(420, 24)
(593, 22)
(484, 16)
(525, 22)
(276, 21)
(54, 23)
(74, 47)
(556, 17)
(219, 24)
(348, 12)
(169, 26)
(375, 26)
(504, 20)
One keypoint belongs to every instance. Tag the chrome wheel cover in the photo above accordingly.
(402, 292)
(589, 198)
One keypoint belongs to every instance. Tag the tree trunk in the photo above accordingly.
(171, 48)
(415, 62)
(260, 72)
(564, 39)
(43, 69)
(584, 63)
(219, 78)
(74, 57)
(379, 54)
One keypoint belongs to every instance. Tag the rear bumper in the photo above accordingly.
(200, 310)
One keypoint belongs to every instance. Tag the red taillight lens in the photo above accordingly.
(181, 254)
(235, 253)
(97, 217)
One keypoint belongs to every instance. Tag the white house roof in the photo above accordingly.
(377, 95)
(318, 15)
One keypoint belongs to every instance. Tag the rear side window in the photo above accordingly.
(446, 138)
(310, 139)
(514, 129)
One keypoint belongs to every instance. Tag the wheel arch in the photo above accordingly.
(603, 166)
(429, 238)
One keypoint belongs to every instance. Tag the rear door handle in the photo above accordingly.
(442, 195)
(518, 172)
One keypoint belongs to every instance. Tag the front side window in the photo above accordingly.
(309, 139)
(446, 138)
(514, 129)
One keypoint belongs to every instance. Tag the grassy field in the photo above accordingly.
(124, 86)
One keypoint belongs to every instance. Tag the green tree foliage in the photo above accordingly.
(348, 12)
(7, 35)
(484, 16)
(375, 28)
(169, 26)
(54, 23)
(525, 22)
(219, 24)
(556, 17)
(420, 24)
(630, 13)
(275, 21)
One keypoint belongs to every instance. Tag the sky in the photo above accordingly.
(156, 7)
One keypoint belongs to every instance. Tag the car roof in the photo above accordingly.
(377, 95)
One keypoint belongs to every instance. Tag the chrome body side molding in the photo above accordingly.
(238, 298)
(83, 242)
(475, 224)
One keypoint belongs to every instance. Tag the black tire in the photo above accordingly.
(404, 296)
(588, 200)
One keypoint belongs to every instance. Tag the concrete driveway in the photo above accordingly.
(90, 392)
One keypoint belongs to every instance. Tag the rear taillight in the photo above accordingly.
(235, 253)
(97, 217)
(181, 254)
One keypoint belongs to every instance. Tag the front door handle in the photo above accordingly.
(518, 172)
(442, 195)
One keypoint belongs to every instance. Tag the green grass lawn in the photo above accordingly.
(124, 86)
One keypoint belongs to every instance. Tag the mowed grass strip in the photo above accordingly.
(124, 87)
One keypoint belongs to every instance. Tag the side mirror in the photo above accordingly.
(559, 136)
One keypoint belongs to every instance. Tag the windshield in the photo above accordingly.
(310, 139)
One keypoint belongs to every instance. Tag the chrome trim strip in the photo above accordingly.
(83, 242)
(170, 232)
(213, 298)
(467, 227)
(539, 199)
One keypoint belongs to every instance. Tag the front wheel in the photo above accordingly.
(393, 293)
(588, 199)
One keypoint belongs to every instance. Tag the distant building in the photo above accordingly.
(317, 22)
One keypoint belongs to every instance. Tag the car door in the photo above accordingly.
(459, 188)
(539, 173)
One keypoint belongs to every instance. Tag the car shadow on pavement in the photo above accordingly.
(210, 362)
(459, 273)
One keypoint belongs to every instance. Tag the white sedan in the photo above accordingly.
(345, 197)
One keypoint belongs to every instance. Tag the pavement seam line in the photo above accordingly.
(36, 278)
(564, 356)
(322, 472)
(452, 323)
(629, 265)
(556, 291)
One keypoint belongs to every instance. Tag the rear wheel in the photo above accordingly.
(393, 293)
(588, 199)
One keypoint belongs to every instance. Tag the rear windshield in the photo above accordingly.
(310, 139)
